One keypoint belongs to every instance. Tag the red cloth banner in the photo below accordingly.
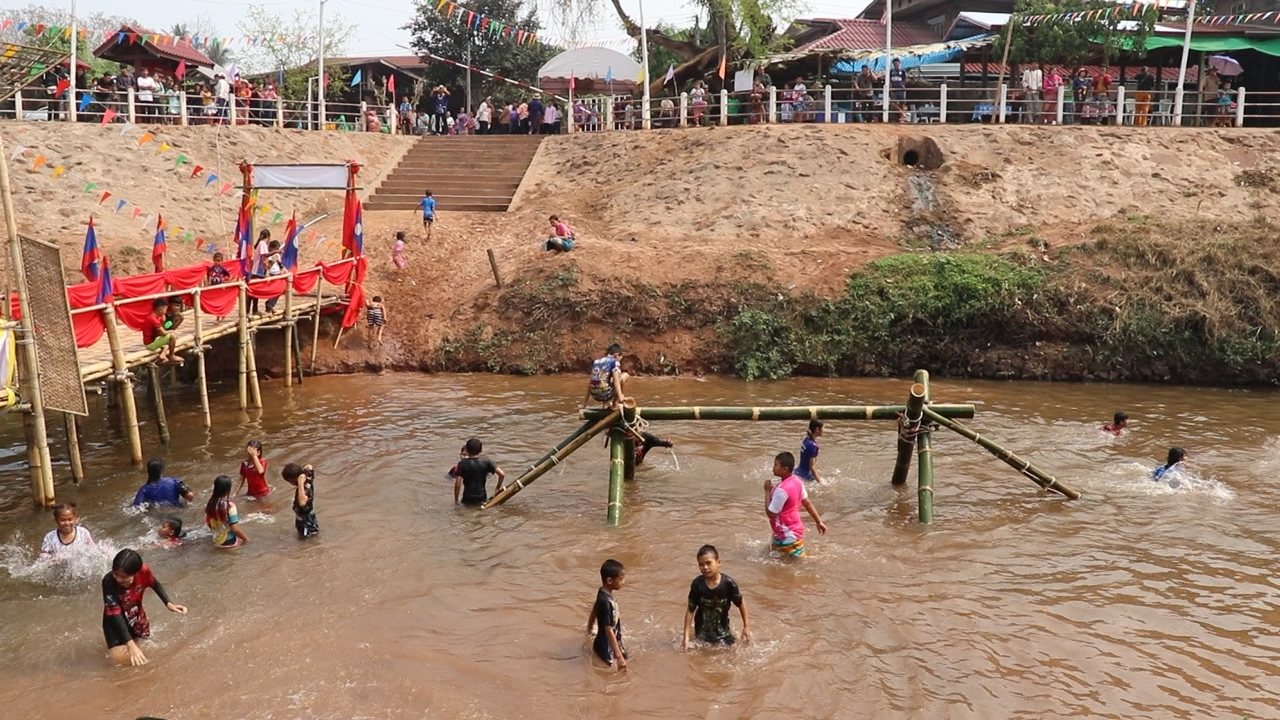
(219, 301)
(185, 278)
(134, 313)
(132, 286)
(267, 289)
(89, 328)
(304, 281)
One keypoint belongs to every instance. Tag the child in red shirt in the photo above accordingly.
(253, 470)
(157, 333)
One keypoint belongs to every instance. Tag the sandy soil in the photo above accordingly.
(801, 206)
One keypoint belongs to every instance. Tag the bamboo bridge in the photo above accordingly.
(915, 423)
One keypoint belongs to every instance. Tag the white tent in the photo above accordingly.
(593, 63)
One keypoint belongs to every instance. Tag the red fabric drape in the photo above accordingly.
(134, 314)
(132, 286)
(304, 281)
(89, 328)
(352, 314)
(338, 273)
(185, 278)
(219, 301)
(80, 296)
(267, 289)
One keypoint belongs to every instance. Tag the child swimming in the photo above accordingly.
(124, 620)
(70, 538)
(221, 516)
(161, 489)
(1175, 458)
(170, 531)
(1118, 424)
(710, 596)
(808, 468)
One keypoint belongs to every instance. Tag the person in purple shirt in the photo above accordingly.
(161, 490)
(808, 468)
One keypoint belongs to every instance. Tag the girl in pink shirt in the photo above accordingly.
(783, 501)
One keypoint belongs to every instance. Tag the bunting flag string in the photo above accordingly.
(1136, 11)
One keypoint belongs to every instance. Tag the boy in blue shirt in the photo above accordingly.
(807, 470)
(428, 205)
(607, 379)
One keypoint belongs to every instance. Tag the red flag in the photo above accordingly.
(104, 197)
(181, 72)
(196, 170)
(391, 88)
(63, 85)
(91, 257)
(572, 81)
(721, 72)
(159, 245)
(107, 116)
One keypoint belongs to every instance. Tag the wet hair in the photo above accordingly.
(1120, 417)
(786, 460)
(555, 218)
(255, 444)
(176, 524)
(127, 561)
(377, 298)
(473, 446)
(159, 303)
(291, 472)
(63, 507)
(708, 550)
(614, 349)
(155, 466)
(611, 569)
(220, 500)
(1176, 455)
(815, 424)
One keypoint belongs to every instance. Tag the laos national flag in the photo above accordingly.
(159, 246)
(244, 241)
(91, 259)
(104, 283)
(289, 258)
(353, 232)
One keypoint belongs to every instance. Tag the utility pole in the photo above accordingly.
(1182, 67)
(320, 66)
(468, 108)
(644, 60)
(71, 91)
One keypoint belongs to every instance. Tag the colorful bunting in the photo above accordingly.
(57, 172)
(210, 179)
(225, 188)
(40, 160)
(106, 194)
(136, 212)
(88, 187)
(197, 170)
(120, 206)
(107, 116)
(145, 138)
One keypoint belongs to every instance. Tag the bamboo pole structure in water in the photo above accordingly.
(288, 332)
(559, 452)
(821, 412)
(243, 333)
(628, 456)
(315, 327)
(73, 447)
(125, 381)
(157, 397)
(201, 378)
(251, 358)
(907, 430)
(1040, 477)
(617, 472)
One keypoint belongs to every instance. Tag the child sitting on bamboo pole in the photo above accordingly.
(608, 380)
(157, 333)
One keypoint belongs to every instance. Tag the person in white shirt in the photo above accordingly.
(146, 87)
(69, 539)
(1032, 81)
(484, 115)
(261, 255)
(550, 117)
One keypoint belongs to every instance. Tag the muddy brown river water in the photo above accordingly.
(1138, 601)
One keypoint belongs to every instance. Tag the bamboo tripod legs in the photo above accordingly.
(73, 447)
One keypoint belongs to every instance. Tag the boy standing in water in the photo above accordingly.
(1118, 424)
(472, 473)
(782, 505)
(605, 617)
(607, 379)
(304, 498)
(808, 470)
(710, 596)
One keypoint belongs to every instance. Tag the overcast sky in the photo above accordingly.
(379, 21)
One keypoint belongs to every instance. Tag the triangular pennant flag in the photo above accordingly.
(18, 150)
(145, 138)
(127, 127)
(163, 146)
(84, 102)
(225, 188)
(104, 197)
(107, 116)
(120, 206)
(355, 79)
(276, 219)
(136, 212)
(199, 242)
(181, 72)
(63, 85)
(40, 160)
(196, 170)
(210, 179)
(57, 172)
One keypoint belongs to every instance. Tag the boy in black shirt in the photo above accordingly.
(606, 618)
(471, 473)
(710, 596)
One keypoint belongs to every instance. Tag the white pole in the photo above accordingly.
(1182, 67)
(724, 107)
(468, 107)
(888, 54)
(773, 104)
(1119, 104)
(942, 103)
(71, 75)
(320, 66)
(1062, 101)
(644, 62)
(684, 109)
(826, 104)
(1004, 104)
(1240, 107)
(183, 117)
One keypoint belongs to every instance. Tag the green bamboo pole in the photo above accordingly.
(553, 458)
(924, 476)
(628, 456)
(1040, 477)
(828, 412)
(617, 469)
(906, 432)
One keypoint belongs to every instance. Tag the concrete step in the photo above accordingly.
(453, 206)
(415, 186)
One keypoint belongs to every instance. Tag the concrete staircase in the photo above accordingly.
(475, 173)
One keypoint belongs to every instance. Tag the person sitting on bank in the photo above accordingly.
(157, 333)
(562, 236)
(607, 379)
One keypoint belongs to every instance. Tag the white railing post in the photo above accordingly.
(362, 123)
(231, 109)
(773, 104)
(826, 104)
(608, 116)
(684, 109)
(279, 113)
(942, 103)
(1120, 105)
(646, 119)
(724, 108)
(183, 117)
(395, 119)
(1003, 100)
(133, 107)
(1240, 107)
(1062, 101)
(17, 105)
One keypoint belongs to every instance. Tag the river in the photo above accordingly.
(1138, 601)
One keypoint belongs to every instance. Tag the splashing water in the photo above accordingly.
(68, 571)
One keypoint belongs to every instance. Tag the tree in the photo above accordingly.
(97, 25)
(734, 29)
(288, 45)
(448, 37)
(204, 27)
(1072, 42)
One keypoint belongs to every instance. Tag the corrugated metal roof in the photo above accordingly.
(850, 34)
(177, 50)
